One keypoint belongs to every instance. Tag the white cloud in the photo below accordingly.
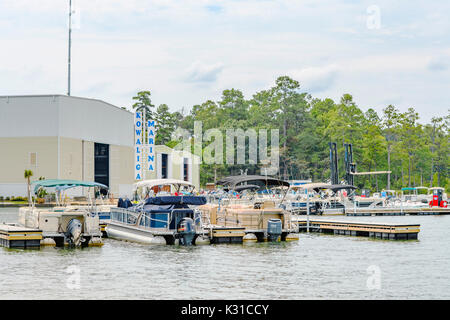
(199, 72)
(440, 63)
(316, 79)
(169, 46)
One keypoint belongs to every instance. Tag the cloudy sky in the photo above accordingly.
(188, 51)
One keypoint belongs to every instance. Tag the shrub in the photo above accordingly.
(19, 199)
(42, 193)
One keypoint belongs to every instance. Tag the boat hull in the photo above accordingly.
(126, 233)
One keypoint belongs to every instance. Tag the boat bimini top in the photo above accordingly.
(148, 203)
(312, 186)
(143, 189)
(63, 184)
(162, 182)
(253, 183)
(230, 183)
(335, 187)
(251, 187)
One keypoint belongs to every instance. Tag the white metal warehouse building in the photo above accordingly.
(67, 137)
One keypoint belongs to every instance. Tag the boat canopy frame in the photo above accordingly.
(233, 181)
(147, 185)
(436, 188)
(335, 187)
(65, 184)
(162, 182)
(314, 185)
(49, 183)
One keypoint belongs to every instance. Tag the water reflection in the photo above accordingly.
(317, 266)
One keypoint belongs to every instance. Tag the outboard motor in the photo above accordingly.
(73, 233)
(274, 229)
(186, 231)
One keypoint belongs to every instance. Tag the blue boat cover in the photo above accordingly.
(176, 200)
(124, 203)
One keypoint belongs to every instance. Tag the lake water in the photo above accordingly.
(315, 267)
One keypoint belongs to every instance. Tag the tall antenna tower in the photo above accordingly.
(70, 45)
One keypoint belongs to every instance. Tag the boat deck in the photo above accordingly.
(219, 234)
(397, 211)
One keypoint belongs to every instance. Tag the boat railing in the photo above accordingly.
(145, 219)
(125, 216)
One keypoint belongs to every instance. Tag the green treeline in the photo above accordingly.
(417, 154)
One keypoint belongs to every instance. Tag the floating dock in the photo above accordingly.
(226, 235)
(389, 231)
(379, 211)
(14, 236)
(103, 230)
(397, 211)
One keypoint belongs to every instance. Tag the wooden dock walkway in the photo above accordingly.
(14, 236)
(398, 211)
(390, 231)
(377, 211)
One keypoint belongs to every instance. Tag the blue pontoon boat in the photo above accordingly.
(165, 214)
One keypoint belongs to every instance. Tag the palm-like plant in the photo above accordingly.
(27, 175)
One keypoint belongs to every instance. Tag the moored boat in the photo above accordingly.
(259, 214)
(73, 225)
(165, 213)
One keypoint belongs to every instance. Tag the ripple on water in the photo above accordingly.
(316, 267)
